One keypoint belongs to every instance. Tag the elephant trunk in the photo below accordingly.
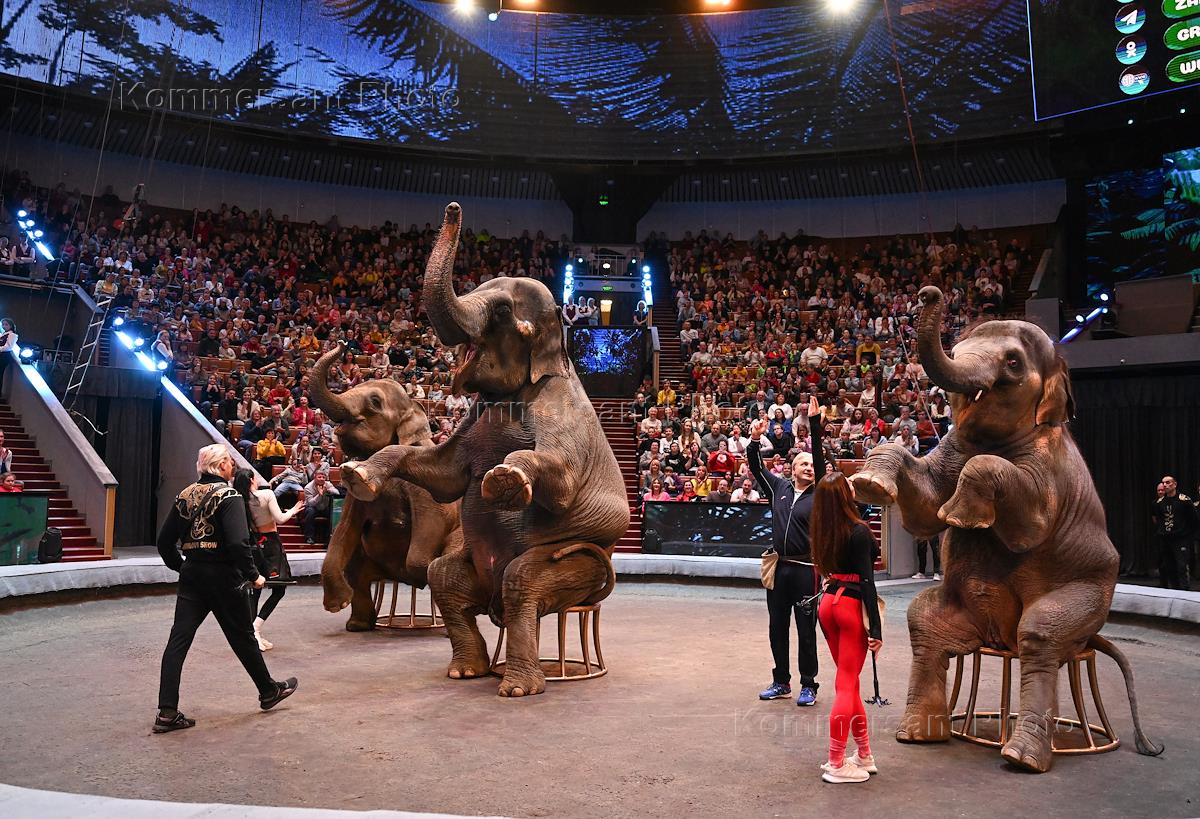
(455, 320)
(318, 387)
(947, 373)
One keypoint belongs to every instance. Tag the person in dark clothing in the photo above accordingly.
(933, 546)
(1175, 522)
(795, 574)
(844, 550)
(208, 521)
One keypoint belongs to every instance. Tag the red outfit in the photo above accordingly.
(841, 620)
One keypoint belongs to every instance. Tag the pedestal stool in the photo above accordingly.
(404, 620)
(1078, 737)
(586, 668)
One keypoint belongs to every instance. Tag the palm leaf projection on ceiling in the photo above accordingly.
(778, 81)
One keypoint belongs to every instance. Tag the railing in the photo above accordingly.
(89, 484)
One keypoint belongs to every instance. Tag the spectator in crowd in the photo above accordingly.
(291, 481)
(6, 456)
(8, 347)
(9, 483)
(907, 440)
(722, 462)
(721, 493)
(318, 503)
(269, 453)
(746, 493)
(657, 492)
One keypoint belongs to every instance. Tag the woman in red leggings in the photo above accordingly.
(843, 550)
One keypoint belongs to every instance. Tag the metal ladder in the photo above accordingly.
(86, 351)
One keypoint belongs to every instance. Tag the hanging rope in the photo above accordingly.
(912, 137)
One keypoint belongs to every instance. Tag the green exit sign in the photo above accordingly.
(607, 287)
(603, 200)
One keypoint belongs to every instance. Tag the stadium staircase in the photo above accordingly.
(30, 468)
(618, 428)
(670, 355)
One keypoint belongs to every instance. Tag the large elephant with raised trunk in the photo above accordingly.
(543, 500)
(396, 535)
(1027, 562)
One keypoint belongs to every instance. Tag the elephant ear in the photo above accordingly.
(1057, 405)
(547, 352)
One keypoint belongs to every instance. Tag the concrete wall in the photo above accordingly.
(986, 208)
(190, 186)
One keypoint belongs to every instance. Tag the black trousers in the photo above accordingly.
(934, 546)
(265, 610)
(1174, 557)
(204, 588)
(792, 584)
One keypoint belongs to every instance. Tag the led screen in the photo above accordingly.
(785, 80)
(1091, 53)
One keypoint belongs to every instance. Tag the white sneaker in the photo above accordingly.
(867, 763)
(263, 643)
(918, 576)
(937, 576)
(845, 774)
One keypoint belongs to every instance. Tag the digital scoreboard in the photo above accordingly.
(1087, 54)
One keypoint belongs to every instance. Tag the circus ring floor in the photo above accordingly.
(675, 729)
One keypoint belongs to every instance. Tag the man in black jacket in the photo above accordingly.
(1176, 524)
(208, 520)
(795, 575)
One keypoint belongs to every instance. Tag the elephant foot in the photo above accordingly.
(360, 625)
(1029, 747)
(507, 487)
(359, 481)
(968, 510)
(468, 668)
(873, 488)
(922, 725)
(337, 597)
(522, 679)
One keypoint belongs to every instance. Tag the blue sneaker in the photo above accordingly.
(777, 691)
(808, 696)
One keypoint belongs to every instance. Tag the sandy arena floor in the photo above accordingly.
(675, 729)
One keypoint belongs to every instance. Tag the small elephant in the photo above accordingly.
(1027, 562)
(399, 533)
(543, 500)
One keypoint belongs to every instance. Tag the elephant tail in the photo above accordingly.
(1144, 745)
(595, 551)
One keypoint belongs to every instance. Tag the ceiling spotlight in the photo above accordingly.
(138, 342)
(464, 6)
(1103, 297)
(722, 4)
(162, 365)
(21, 214)
(1130, 122)
(37, 234)
(839, 6)
(570, 268)
(1183, 110)
(1079, 318)
(645, 268)
(118, 321)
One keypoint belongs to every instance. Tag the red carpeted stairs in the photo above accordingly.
(670, 359)
(619, 431)
(29, 467)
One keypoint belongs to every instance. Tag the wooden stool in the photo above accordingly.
(588, 668)
(1062, 741)
(402, 621)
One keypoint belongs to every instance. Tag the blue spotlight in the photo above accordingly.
(21, 214)
(645, 268)
(162, 365)
(138, 342)
(26, 353)
(119, 321)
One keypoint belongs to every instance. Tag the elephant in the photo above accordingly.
(398, 534)
(543, 500)
(1027, 562)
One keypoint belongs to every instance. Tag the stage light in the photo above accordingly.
(606, 266)
(1130, 122)
(162, 365)
(138, 342)
(26, 353)
(37, 234)
(579, 260)
(493, 16)
(724, 4)
(1103, 297)
(839, 6)
(21, 214)
(570, 268)
(645, 268)
(1183, 110)
(118, 321)
(1079, 318)
(464, 6)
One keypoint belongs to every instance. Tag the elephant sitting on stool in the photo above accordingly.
(399, 533)
(1027, 562)
(543, 500)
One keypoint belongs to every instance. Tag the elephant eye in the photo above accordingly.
(1013, 363)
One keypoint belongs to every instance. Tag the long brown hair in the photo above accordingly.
(834, 516)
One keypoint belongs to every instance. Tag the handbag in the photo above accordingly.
(770, 561)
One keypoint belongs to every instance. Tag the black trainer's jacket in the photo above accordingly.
(789, 513)
(218, 533)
